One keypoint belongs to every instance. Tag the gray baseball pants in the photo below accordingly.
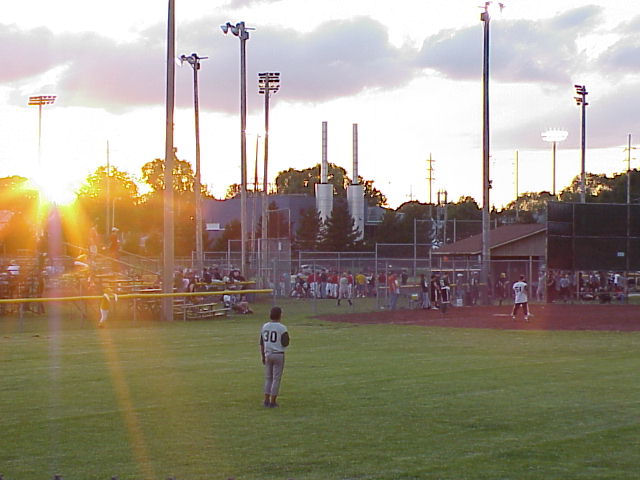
(273, 367)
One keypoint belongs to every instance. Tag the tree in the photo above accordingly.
(294, 181)
(232, 231)
(389, 230)
(308, 232)
(373, 196)
(123, 197)
(19, 214)
(153, 174)
(466, 208)
(532, 207)
(339, 232)
(233, 191)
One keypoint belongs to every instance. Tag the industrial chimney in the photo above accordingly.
(355, 191)
(324, 190)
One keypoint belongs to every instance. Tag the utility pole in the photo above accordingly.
(430, 177)
(515, 181)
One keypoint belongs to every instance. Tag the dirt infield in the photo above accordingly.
(624, 318)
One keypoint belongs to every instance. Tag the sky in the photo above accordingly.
(408, 72)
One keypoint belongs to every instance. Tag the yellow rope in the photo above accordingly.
(131, 295)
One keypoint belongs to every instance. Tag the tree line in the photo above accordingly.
(139, 216)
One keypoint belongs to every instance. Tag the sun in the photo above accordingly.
(55, 188)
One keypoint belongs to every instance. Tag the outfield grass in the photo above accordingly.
(155, 400)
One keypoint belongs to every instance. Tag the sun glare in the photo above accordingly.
(54, 189)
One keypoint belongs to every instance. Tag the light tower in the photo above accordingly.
(581, 101)
(554, 136)
(194, 61)
(485, 17)
(40, 101)
(241, 31)
(268, 83)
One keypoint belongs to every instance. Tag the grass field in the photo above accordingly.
(154, 400)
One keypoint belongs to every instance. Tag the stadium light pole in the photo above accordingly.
(628, 150)
(40, 101)
(194, 61)
(581, 101)
(485, 17)
(241, 31)
(268, 83)
(169, 154)
(554, 136)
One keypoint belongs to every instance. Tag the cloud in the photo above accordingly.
(527, 51)
(26, 53)
(622, 56)
(610, 117)
(337, 59)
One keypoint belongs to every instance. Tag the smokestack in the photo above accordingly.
(355, 191)
(355, 155)
(324, 190)
(324, 168)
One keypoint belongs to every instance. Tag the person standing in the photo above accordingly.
(434, 292)
(501, 288)
(274, 339)
(344, 289)
(445, 294)
(394, 290)
(424, 291)
(520, 298)
(105, 306)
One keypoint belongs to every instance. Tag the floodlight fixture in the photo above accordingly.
(239, 30)
(490, 9)
(42, 100)
(554, 135)
(268, 82)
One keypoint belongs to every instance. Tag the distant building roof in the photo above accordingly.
(498, 237)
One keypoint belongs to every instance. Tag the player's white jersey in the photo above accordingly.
(272, 337)
(520, 292)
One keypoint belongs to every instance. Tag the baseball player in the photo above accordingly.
(344, 289)
(274, 339)
(520, 299)
(105, 305)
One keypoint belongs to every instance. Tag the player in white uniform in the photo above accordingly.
(520, 298)
(274, 339)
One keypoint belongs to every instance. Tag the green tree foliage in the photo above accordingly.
(466, 208)
(153, 173)
(233, 191)
(118, 189)
(18, 210)
(531, 207)
(308, 231)
(232, 231)
(339, 232)
(293, 181)
(373, 196)
(390, 229)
